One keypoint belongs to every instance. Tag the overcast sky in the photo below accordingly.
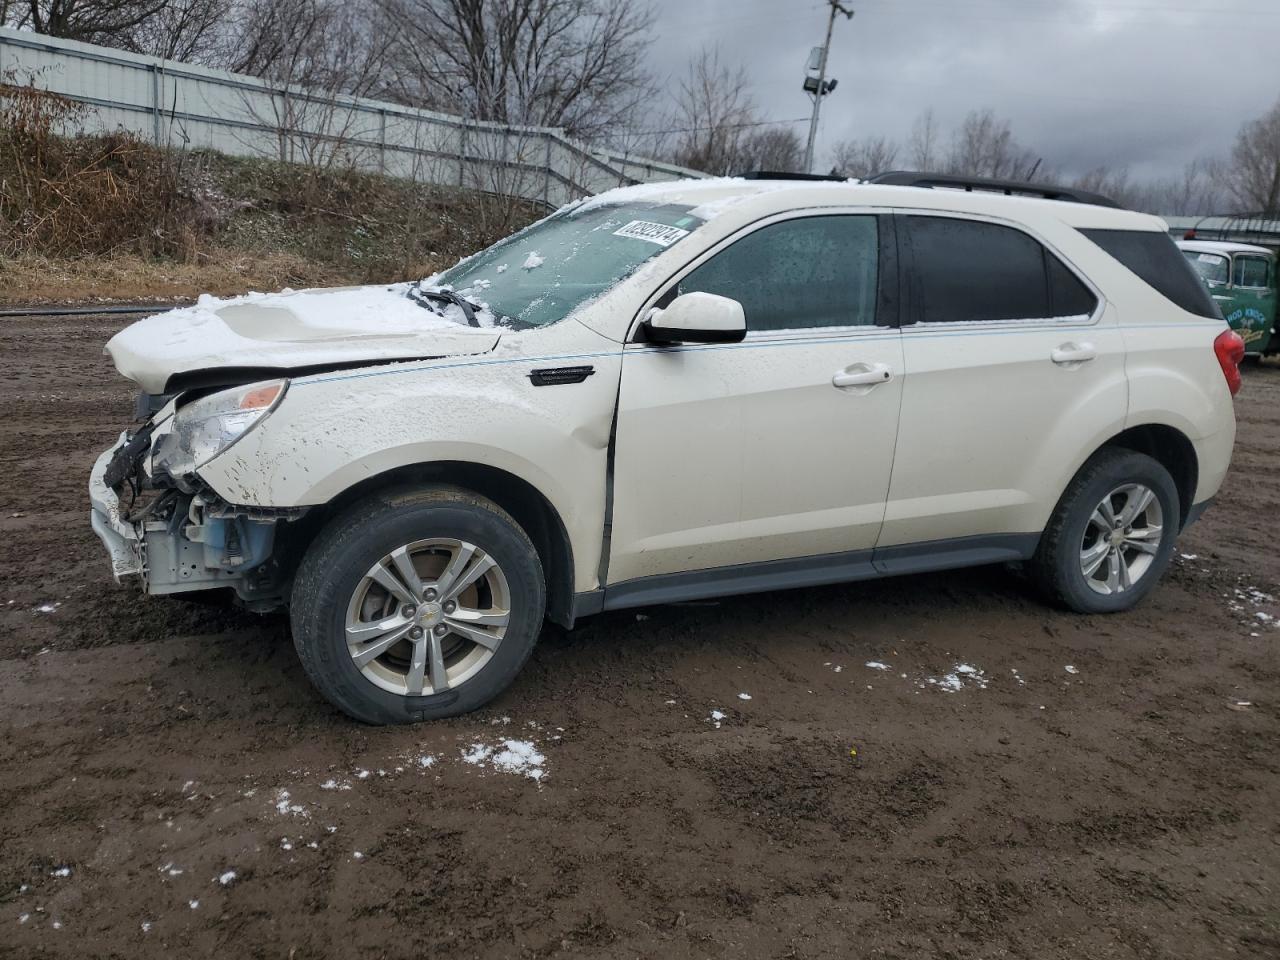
(1147, 84)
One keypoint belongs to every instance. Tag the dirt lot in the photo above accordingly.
(1099, 787)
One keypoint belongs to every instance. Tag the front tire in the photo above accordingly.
(416, 605)
(1111, 536)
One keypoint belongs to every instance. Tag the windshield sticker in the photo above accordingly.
(659, 233)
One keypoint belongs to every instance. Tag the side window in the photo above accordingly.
(1251, 271)
(969, 270)
(809, 272)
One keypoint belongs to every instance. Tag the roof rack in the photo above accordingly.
(1010, 188)
(783, 175)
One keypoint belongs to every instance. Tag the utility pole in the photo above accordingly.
(822, 88)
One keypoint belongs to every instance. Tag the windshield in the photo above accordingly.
(540, 274)
(1211, 267)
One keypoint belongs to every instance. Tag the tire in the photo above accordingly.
(334, 593)
(1058, 567)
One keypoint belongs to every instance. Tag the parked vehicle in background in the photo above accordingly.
(1242, 279)
(669, 392)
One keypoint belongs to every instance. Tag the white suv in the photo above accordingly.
(675, 391)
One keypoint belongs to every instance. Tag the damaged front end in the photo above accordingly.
(160, 522)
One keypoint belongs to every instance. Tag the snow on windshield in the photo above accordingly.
(542, 273)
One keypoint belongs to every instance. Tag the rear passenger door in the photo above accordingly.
(1011, 369)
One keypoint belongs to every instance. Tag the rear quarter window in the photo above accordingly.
(1156, 259)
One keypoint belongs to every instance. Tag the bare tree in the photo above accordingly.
(865, 158)
(713, 114)
(770, 148)
(111, 22)
(184, 30)
(1253, 173)
(575, 64)
(923, 143)
(983, 146)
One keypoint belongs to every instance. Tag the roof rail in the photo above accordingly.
(1010, 188)
(783, 175)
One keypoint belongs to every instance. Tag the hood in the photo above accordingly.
(238, 340)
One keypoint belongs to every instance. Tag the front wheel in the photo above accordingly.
(1111, 535)
(417, 605)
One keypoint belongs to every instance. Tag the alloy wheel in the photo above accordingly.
(1122, 539)
(428, 616)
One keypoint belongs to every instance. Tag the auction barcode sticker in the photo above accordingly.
(658, 233)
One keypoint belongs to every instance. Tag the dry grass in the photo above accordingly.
(31, 280)
(95, 217)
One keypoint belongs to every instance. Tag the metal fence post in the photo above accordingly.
(546, 173)
(156, 70)
(382, 140)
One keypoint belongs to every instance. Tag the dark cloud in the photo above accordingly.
(1143, 84)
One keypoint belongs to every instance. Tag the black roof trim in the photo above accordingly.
(783, 175)
(1011, 188)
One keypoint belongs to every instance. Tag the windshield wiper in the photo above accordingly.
(447, 296)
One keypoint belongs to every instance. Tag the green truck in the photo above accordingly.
(1242, 279)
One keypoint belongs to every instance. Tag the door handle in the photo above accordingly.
(862, 375)
(1070, 353)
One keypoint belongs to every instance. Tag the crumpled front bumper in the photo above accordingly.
(121, 538)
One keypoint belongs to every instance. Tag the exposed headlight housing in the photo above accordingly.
(206, 427)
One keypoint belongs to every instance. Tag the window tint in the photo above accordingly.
(1251, 271)
(1068, 296)
(1156, 259)
(811, 272)
(968, 270)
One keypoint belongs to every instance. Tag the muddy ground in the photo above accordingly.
(1100, 787)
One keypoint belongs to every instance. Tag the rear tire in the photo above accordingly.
(1111, 536)
(417, 604)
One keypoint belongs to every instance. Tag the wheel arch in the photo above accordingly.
(527, 505)
(1173, 450)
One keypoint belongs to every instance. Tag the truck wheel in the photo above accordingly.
(417, 604)
(1111, 535)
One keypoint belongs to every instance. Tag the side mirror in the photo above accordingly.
(697, 318)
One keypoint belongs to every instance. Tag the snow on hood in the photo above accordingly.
(294, 330)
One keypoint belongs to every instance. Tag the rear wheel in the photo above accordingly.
(1111, 535)
(417, 605)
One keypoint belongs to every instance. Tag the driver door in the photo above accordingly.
(778, 448)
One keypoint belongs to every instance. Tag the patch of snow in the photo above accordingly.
(1190, 556)
(717, 718)
(877, 665)
(358, 855)
(838, 669)
(61, 872)
(193, 904)
(1070, 669)
(513, 756)
(146, 926)
(426, 760)
(227, 878)
(285, 806)
(962, 675)
(47, 607)
(744, 696)
(533, 261)
(500, 268)
(332, 784)
(24, 918)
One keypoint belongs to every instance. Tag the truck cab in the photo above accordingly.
(1241, 277)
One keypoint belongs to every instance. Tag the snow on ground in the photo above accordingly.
(962, 675)
(716, 717)
(511, 756)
